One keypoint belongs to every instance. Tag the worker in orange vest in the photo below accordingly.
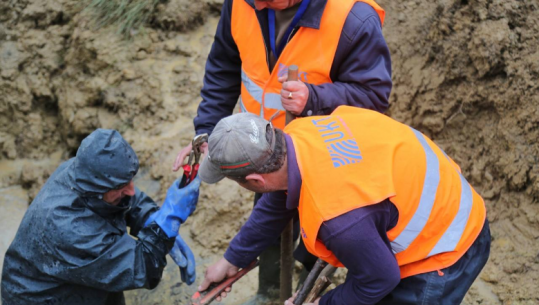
(373, 195)
(342, 56)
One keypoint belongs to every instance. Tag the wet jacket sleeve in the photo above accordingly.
(359, 240)
(268, 219)
(142, 206)
(361, 70)
(222, 79)
(94, 253)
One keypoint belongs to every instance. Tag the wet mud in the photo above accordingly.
(465, 73)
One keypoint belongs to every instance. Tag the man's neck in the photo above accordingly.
(280, 177)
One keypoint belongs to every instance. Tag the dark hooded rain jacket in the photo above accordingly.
(72, 247)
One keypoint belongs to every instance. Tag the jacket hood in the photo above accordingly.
(104, 162)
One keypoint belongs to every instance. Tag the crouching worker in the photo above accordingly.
(373, 195)
(72, 245)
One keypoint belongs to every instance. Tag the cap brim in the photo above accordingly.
(209, 172)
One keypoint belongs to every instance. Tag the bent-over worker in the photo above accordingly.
(373, 195)
(342, 56)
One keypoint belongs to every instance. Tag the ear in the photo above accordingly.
(257, 179)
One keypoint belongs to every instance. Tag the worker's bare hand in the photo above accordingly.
(185, 153)
(293, 298)
(294, 95)
(216, 273)
(223, 294)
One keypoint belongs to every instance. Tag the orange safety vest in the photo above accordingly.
(357, 157)
(312, 50)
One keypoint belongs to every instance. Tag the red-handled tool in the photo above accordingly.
(190, 170)
(215, 289)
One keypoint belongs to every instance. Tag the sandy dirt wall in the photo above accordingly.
(465, 73)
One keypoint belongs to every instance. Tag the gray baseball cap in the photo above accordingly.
(239, 145)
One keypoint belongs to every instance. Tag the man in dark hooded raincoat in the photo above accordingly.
(72, 245)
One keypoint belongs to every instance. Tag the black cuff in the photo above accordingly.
(156, 240)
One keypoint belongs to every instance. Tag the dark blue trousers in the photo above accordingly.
(447, 289)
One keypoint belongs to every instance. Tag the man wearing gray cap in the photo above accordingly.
(72, 245)
(373, 195)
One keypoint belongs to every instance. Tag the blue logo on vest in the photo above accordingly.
(341, 145)
(303, 233)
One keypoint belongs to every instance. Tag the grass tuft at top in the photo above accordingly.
(127, 15)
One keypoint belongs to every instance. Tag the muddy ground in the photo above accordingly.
(464, 72)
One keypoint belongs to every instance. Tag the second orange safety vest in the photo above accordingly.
(357, 157)
(312, 50)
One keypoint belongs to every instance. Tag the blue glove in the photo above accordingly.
(178, 205)
(184, 258)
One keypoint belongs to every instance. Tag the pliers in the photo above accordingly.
(190, 170)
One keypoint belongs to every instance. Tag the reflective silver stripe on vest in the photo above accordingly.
(254, 90)
(428, 195)
(271, 100)
(453, 234)
(242, 106)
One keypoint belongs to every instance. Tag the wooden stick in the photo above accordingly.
(328, 271)
(287, 239)
(309, 282)
(320, 270)
(287, 263)
(292, 76)
(321, 284)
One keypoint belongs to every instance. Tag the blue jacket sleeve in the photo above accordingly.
(222, 80)
(142, 206)
(268, 219)
(359, 240)
(361, 70)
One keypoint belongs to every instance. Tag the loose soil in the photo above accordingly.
(465, 73)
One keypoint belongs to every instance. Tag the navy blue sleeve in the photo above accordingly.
(361, 70)
(359, 240)
(142, 206)
(222, 79)
(268, 219)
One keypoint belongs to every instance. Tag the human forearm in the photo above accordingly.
(152, 247)
(222, 78)
(350, 293)
(263, 228)
(323, 99)
(113, 262)
(359, 241)
(178, 205)
(366, 286)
